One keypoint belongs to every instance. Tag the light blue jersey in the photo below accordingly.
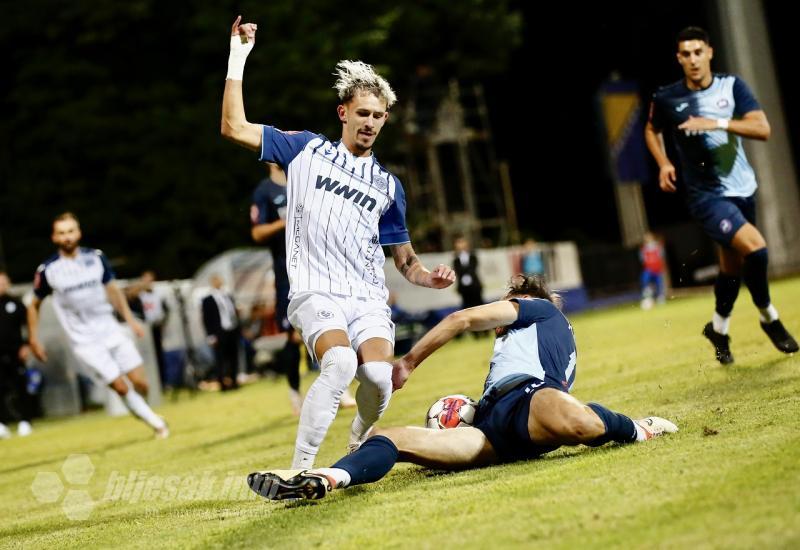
(539, 343)
(712, 162)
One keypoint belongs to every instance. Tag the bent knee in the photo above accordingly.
(119, 386)
(578, 427)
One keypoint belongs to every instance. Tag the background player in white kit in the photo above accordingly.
(84, 290)
(342, 207)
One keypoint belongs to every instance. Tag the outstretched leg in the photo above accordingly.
(446, 449)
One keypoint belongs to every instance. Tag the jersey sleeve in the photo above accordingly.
(41, 288)
(282, 147)
(743, 98)
(392, 225)
(108, 273)
(532, 311)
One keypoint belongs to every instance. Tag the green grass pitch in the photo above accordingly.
(729, 479)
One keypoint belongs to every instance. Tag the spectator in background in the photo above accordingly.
(470, 287)
(651, 254)
(221, 322)
(16, 404)
(532, 259)
(465, 264)
(149, 306)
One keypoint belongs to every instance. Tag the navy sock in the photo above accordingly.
(619, 427)
(371, 461)
(726, 290)
(755, 276)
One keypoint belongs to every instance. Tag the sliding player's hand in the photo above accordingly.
(401, 370)
(441, 277)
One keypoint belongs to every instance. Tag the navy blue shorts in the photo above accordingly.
(505, 422)
(722, 217)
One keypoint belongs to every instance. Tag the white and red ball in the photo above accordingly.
(451, 411)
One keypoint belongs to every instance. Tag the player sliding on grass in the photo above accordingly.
(342, 207)
(526, 409)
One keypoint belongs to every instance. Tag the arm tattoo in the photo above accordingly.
(409, 263)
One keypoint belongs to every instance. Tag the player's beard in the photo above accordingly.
(68, 248)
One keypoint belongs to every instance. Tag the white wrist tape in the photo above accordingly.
(722, 123)
(238, 57)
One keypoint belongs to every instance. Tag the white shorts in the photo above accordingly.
(313, 313)
(110, 357)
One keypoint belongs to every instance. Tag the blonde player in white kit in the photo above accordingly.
(343, 206)
(83, 289)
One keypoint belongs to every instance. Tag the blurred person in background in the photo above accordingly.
(149, 306)
(651, 255)
(16, 403)
(465, 264)
(268, 218)
(85, 296)
(221, 321)
(532, 258)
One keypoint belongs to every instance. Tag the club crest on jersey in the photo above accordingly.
(11, 307)
(722, 103)
(381, 183)
(358, 197)
(725, 225)
(324, 314)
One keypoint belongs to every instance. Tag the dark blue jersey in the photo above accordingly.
(540, 343)
(712, 162)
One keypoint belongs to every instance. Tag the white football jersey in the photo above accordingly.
(79, 294)
(341, 209)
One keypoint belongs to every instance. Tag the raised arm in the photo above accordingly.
(235, 126)
(407, 263)
(666, 171)
(476, 319)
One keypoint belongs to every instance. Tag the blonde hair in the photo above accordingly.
(357, 76)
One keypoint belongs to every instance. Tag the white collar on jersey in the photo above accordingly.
(342, 148)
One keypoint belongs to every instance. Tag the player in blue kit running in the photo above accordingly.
(707, 114)
(525, 411)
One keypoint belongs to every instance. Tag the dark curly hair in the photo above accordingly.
(523, 284)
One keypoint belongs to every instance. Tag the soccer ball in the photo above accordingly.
(451, 411)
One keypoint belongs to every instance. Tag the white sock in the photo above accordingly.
(768, 314)
(721, 324)
(373, 395)
(139, 407)
(641, 435)
(337, 369)
(341, 478)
